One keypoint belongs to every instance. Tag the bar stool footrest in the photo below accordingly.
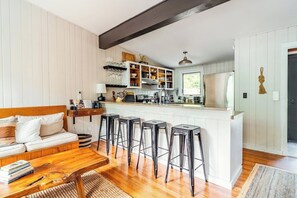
(185, 168)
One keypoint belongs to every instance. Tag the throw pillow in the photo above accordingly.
(7, 141)
(11, 118)
(45, 119)
(28, 131)
(50, 129)
(7, 127)
(50, 124)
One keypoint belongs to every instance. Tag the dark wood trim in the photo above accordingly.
(160, 15)
(292, 50)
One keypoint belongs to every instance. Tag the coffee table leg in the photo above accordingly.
(80, 187)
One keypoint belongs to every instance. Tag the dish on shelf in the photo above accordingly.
(133, 75)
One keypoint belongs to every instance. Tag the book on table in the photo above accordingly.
(14, 171)
(18, 165)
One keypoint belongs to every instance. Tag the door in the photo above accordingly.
(292, 98)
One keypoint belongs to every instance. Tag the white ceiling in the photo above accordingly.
(207, 36)
(97, 16)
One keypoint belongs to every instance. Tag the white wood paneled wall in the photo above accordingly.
(262, 121)
(219, 67)
(225, 66)
(44, 60)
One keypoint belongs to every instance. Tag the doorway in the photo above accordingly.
(292, 104)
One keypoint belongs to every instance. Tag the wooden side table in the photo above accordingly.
(84, 112)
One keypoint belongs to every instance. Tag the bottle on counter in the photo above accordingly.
(79, 96)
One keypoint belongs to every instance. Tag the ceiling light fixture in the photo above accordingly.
(185, 61)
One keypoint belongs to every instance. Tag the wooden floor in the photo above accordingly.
(143, 183)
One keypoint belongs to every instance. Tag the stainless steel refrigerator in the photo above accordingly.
(219, 90)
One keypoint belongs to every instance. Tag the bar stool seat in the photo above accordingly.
(186, 128)
(154, 126)
(110, 121)
(130, 123)
(186, 135)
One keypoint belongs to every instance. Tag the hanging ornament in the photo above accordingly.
(261, 79)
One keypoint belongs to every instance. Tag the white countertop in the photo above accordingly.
(186, 106)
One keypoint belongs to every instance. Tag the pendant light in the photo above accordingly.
(185, 61)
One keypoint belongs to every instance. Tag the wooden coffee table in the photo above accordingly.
(54, 170)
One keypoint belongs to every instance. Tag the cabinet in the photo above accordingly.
(165, 79)
(169, 79)
(134, 75)
(137, 74)
(161, 78)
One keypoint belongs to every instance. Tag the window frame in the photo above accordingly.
(198, 72)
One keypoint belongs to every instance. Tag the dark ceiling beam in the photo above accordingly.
(158, 16)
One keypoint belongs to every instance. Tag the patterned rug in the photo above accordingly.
(268, 182)
(95, 186)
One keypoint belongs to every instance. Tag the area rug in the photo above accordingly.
(268, 182)
(95, 186)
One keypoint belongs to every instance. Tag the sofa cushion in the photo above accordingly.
(12, 150)
(28, 131)
(52, 140)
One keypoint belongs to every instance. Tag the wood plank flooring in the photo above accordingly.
(143, 183)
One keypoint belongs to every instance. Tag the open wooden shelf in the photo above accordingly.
(111, 67)
(112, 85)
(84, 112)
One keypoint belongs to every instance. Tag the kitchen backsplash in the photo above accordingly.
(146, 90)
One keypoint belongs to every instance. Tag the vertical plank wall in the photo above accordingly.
(219, 67)
(36, 63)
(45, 60)
(262, 127)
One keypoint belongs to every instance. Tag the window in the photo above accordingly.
(191, 83)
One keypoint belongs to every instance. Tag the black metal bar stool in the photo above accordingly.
(186, 134)
(130, 124)
(110, 121)
(154, 126)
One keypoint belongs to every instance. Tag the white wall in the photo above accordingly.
(219, 67)
(45, 60)
(262, 119)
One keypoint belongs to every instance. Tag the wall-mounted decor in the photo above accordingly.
(128, 57)
(143, 59)
(261, 80)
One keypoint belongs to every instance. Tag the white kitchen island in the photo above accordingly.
(221, 135)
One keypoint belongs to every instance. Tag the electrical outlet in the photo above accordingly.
(275, 95)
(244, 95)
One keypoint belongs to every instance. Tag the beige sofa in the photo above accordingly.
(47, 145)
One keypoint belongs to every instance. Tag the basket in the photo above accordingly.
(85, 140)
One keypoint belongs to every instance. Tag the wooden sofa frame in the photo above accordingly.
(36, 111)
